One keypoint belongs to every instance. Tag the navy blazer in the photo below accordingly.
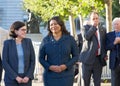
(63, 51)
(110, 37)
(10, 59)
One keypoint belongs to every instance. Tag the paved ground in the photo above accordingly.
(75, 84)
(41, 84)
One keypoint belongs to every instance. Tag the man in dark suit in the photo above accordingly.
(93, 53)
(113, 44)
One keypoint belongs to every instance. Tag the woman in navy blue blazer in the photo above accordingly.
(18, 57)
(58, 53)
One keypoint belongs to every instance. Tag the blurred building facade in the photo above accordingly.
(10, 11)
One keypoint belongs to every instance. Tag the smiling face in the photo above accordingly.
(55, 28)
(21, 33)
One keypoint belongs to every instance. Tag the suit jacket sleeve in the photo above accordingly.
(74, 54)
(42, 55)
(109, 41)
(5, 59)
(88, 31)
(32, 61)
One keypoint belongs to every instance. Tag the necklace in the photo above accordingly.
(18, 41)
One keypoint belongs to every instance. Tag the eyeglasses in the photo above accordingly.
(23, 29)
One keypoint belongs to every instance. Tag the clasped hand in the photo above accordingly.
(57, 68)
(22, 80)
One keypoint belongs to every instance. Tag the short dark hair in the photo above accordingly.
(60, 22)
(15, 26)
(93, 12)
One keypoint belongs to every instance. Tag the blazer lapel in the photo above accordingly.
(101, 31)
(24, 49)
(15, 50)
(114, 34)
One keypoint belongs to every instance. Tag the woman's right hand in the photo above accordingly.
(19, 79)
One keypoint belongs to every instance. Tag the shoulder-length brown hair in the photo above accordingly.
(15, 26)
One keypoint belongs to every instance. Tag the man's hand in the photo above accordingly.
(106, 58)
(63, 67)
(117, 40)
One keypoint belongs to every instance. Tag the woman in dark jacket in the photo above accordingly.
(18, 57)
(58, 53)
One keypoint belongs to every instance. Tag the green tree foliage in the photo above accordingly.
(48, 8)
(115, 9)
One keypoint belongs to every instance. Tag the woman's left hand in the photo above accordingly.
(25, 80)
(63, 67)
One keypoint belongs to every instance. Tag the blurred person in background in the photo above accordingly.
(93, 53)
(113, 45)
